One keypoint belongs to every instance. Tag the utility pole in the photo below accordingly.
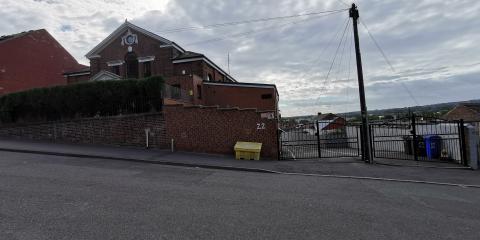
(366, 147)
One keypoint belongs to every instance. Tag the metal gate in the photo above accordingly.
(322, 139)
(419, 139)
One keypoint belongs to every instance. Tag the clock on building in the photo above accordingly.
(129, 38)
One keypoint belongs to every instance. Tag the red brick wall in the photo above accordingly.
(188, 83)
(199, 68)
(118, 131)
(190, 68)
(242, 97)
(33, 60)
(195, 129)
(214, 130)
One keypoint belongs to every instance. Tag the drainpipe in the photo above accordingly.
(172, 143)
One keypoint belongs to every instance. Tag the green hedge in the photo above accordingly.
(99, 98)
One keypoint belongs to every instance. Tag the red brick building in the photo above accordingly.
(330, 121)
(131, 52)
(33, 59)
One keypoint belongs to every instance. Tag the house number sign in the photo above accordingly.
(260, 126)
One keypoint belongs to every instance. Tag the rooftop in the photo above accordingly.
(473, 106)
(4, 38)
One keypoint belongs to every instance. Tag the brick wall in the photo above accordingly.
(193, 128)
(188, 83)
(238, 96)
(216, 130)
(118, 131)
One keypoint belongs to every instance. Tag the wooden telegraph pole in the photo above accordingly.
(366, 147)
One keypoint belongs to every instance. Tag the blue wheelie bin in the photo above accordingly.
(433, 145)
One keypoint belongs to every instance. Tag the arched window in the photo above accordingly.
(131, 63)
(209, 77)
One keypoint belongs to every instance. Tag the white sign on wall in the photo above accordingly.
(268, 115)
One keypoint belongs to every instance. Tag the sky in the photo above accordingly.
(430, 49)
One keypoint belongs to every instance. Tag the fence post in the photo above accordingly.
(471, 141)
(362, 145)
(372, 143)
(318, 141)
(463, 145)
(279, 143)
(358, 140)
(414, 140)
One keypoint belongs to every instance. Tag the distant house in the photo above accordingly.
(330, 121)
(469, 112)
(33, 59)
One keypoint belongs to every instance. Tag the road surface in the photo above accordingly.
(53, 197)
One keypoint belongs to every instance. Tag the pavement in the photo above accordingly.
(60, 197)
(340, 167)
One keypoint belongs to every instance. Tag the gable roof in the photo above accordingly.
(185, 56)
(105, 75)
(327, 116)
(4, 38)
(193, 57)
(188, 55)
(458, 112)
(473, 106)
(325, 123)
(121, 29)
(81, 70)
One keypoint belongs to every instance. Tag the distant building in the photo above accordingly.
(469, 112)
(33, 59)
(330, 121)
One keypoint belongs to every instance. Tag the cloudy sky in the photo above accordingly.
(430, 44)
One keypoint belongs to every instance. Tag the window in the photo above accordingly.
(209, 77)
(116, 69)
(267, 96)
(175, 91)
(131, 65)
(147, 69)
(199, 91)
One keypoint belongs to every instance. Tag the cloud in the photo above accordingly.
(431, 44)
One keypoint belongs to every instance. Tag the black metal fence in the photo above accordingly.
(419, 139)
(321, 139)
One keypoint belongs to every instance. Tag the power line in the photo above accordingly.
(325, 81)
(338, 74)
(340, 63)
(335, 56)
(377, 45)
(216, 25)
(343, 2)
(349, 69)
(315, 62)
(242, 34)
(388, 61)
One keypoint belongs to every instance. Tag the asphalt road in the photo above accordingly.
(47, 197)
